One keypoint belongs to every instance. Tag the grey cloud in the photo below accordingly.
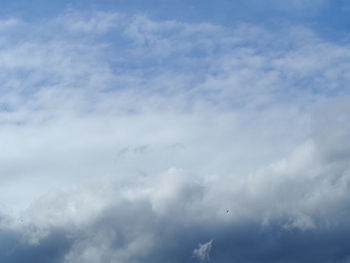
(132, 232)
(294, 210)
(51, 249)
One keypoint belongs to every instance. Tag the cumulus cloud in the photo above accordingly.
(132, 148)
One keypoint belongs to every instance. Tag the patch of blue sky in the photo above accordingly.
(329, 18)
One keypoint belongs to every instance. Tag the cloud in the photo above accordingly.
(203, 251)
(126, 139)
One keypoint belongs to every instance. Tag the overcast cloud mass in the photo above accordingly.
(173, 131)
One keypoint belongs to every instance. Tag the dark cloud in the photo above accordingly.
(50, 250)
(123, 236)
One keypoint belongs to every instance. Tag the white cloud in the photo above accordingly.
(69, 97)
(203, 251)
(79, 23)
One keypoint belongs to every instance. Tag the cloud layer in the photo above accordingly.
(126, 139)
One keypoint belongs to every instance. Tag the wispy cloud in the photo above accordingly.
(203, 251)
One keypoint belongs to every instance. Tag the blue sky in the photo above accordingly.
(174, 131)
(328, 18)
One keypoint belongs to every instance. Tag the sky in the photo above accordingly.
(175, 131)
